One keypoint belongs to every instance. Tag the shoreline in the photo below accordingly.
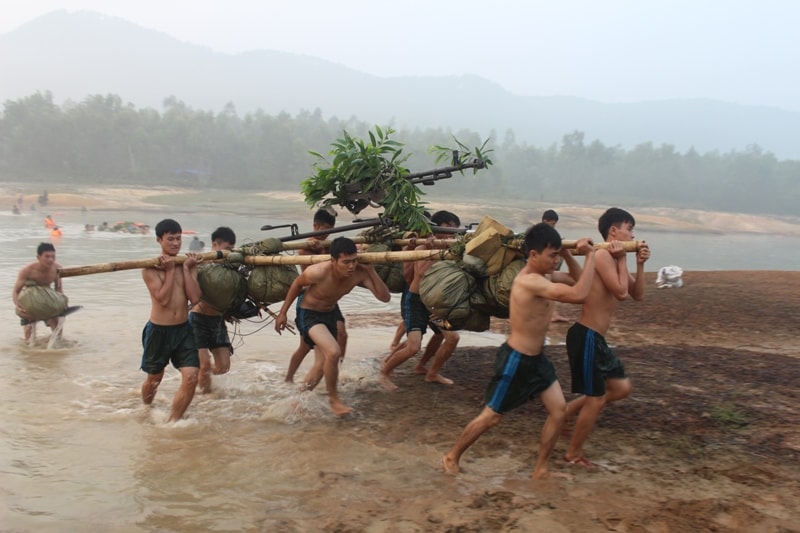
(513, 214)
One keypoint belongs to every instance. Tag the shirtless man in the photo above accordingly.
(168, 336)
(551, 217)
(323, 219)
(522, 371)
(326, 283)
(42, 272)
(416, 320)
(208, 324)
(597, 374)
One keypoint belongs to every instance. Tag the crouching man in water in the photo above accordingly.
(44, 273)
(168, 336)
(522, 371)
(325, 284)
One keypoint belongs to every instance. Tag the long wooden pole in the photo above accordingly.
(132, 265)
(363, 257)
(309, 244)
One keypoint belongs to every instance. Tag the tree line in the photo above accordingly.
(103, 140)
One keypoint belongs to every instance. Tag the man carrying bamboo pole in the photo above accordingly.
(522, 371)
(416, 321)
(597, 374)
(326, 283)
(208, 324)
(323, 219)
(168, 336)
(551, 217)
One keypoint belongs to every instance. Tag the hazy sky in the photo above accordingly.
(606, 50)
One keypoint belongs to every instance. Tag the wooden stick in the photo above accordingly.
(364, 257)
(274, 316)
(307, 245)
(628, 246)
(133, 264)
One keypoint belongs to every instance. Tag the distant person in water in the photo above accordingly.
(325, 284)
(168, 336)
(196, 245)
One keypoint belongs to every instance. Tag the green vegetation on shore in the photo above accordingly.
(101, 140)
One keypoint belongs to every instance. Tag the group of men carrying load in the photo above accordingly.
(190, 340)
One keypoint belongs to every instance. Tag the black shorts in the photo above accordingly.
(337, 311)
(210, 331)
(415, 314)
(163, 344)
(591, 361)
(517, 379)
(338, 314)
(308, 318)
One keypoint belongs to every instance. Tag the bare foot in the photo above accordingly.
(386, 383)
(438, 378)
(420, 370)
(450, 466)
(581, 461)
(551, 475)
(338, 408)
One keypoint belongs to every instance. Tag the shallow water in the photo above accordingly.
(79, 450)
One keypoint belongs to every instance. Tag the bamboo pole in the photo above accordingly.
(309, 244)
(363, 257)
(133, 264)
(628, 246)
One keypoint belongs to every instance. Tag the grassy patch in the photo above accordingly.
(728, 416)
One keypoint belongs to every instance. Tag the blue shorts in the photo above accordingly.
(415, 314)
(591, 361)
(517, 379)
(163, 344)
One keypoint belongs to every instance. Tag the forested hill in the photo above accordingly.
(73, 55)
(103, 140)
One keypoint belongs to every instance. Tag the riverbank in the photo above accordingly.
(708, 441)
(513, 213)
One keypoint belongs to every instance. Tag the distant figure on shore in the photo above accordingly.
(15, 209)
(196, 245)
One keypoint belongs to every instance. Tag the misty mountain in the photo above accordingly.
(79, 54)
